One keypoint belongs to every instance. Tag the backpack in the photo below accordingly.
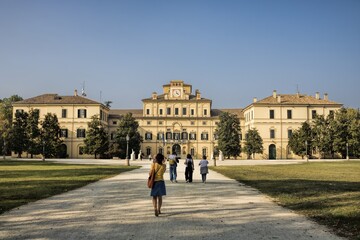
(189, 163)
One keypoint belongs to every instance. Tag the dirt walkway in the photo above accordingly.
(120, 208)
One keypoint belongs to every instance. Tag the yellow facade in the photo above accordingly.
(178, 120)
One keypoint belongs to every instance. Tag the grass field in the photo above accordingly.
(328, 193)
(23, 182)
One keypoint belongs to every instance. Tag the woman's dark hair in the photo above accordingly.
(188, 156)
(159, 158)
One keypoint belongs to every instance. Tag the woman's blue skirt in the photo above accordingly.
(158, 189)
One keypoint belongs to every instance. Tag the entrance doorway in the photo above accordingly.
(272, 151)
(176, 148)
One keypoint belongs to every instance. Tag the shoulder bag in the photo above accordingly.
(151, 179)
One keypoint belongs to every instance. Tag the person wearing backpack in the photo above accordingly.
(189, 168)
(173, 160)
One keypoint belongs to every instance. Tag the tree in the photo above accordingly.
(301, 140)
(346, 131)
(97, 139)
(19, 137)
(127, 126)
(228, 132)
(33, 132)
(322, 132)
(6, 122)
(50, 135)
(253, 143)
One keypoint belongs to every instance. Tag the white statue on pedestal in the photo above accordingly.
(221, 156)
(132, 156)
(139, 155)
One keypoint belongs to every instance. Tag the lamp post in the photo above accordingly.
(127, 150)
(306, 151)
(213, 151)
(347, 151)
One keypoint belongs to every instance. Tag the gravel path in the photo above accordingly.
(120, 208)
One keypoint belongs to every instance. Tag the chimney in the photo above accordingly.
(274, 94)
(279, 99)
(317, 95)
(197, 93)
(75, 93)
(326, 97)
(154, 95)
(255, 100)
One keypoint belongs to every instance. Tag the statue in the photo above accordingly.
(132, 155)
(140, 155)
(221, 155)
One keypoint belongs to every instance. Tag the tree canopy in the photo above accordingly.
(253, 143)
(97, 139)
(228, 132)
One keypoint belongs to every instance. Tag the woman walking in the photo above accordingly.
(189, 163)
(204, 168)
(159, 188)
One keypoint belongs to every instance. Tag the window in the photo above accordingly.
(184, 111)
(168, 135)
(331, 114)
(80, 133)
(192, 151)
(19, 110)
(272, 114)
(289, 133)
(168, 111)
(148, 136)
(161, 150)
(272, 133)
(176, 136)
(289, 114)
(160, 136)
(204, 123)
(81, 113)
(64, 133)
(205, 112)
(204, 152)
(184, 135)
(148, 151)
(313, 114)
(148, 122)
(192, 123)
(64, 113)
(176, 111)
(160, 112)
(147, 111)
(112, 136)
(192, 136)
(114, 122)
(204, 136)
(192, 112)
(160, 122)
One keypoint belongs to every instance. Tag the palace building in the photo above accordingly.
(182, 121)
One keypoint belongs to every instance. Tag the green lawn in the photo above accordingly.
(22, 182)
(329, 193)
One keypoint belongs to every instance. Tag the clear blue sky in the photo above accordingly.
(231, 51)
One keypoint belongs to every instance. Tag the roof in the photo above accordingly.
(237, 111)
(56, 99)
(161, 97)
(296, 99)
(117, 113)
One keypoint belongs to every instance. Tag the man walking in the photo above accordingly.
(173, 160)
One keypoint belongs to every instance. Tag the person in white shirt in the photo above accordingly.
(204, 168)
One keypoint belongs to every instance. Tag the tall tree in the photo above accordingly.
(127, 126)
(6, 122)
(50, 135)
(228, 132)
(19, 136)
(346, 131)
(253, 143)
(33, 132)
(322, 133)
(97, 139)
(301, 140)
